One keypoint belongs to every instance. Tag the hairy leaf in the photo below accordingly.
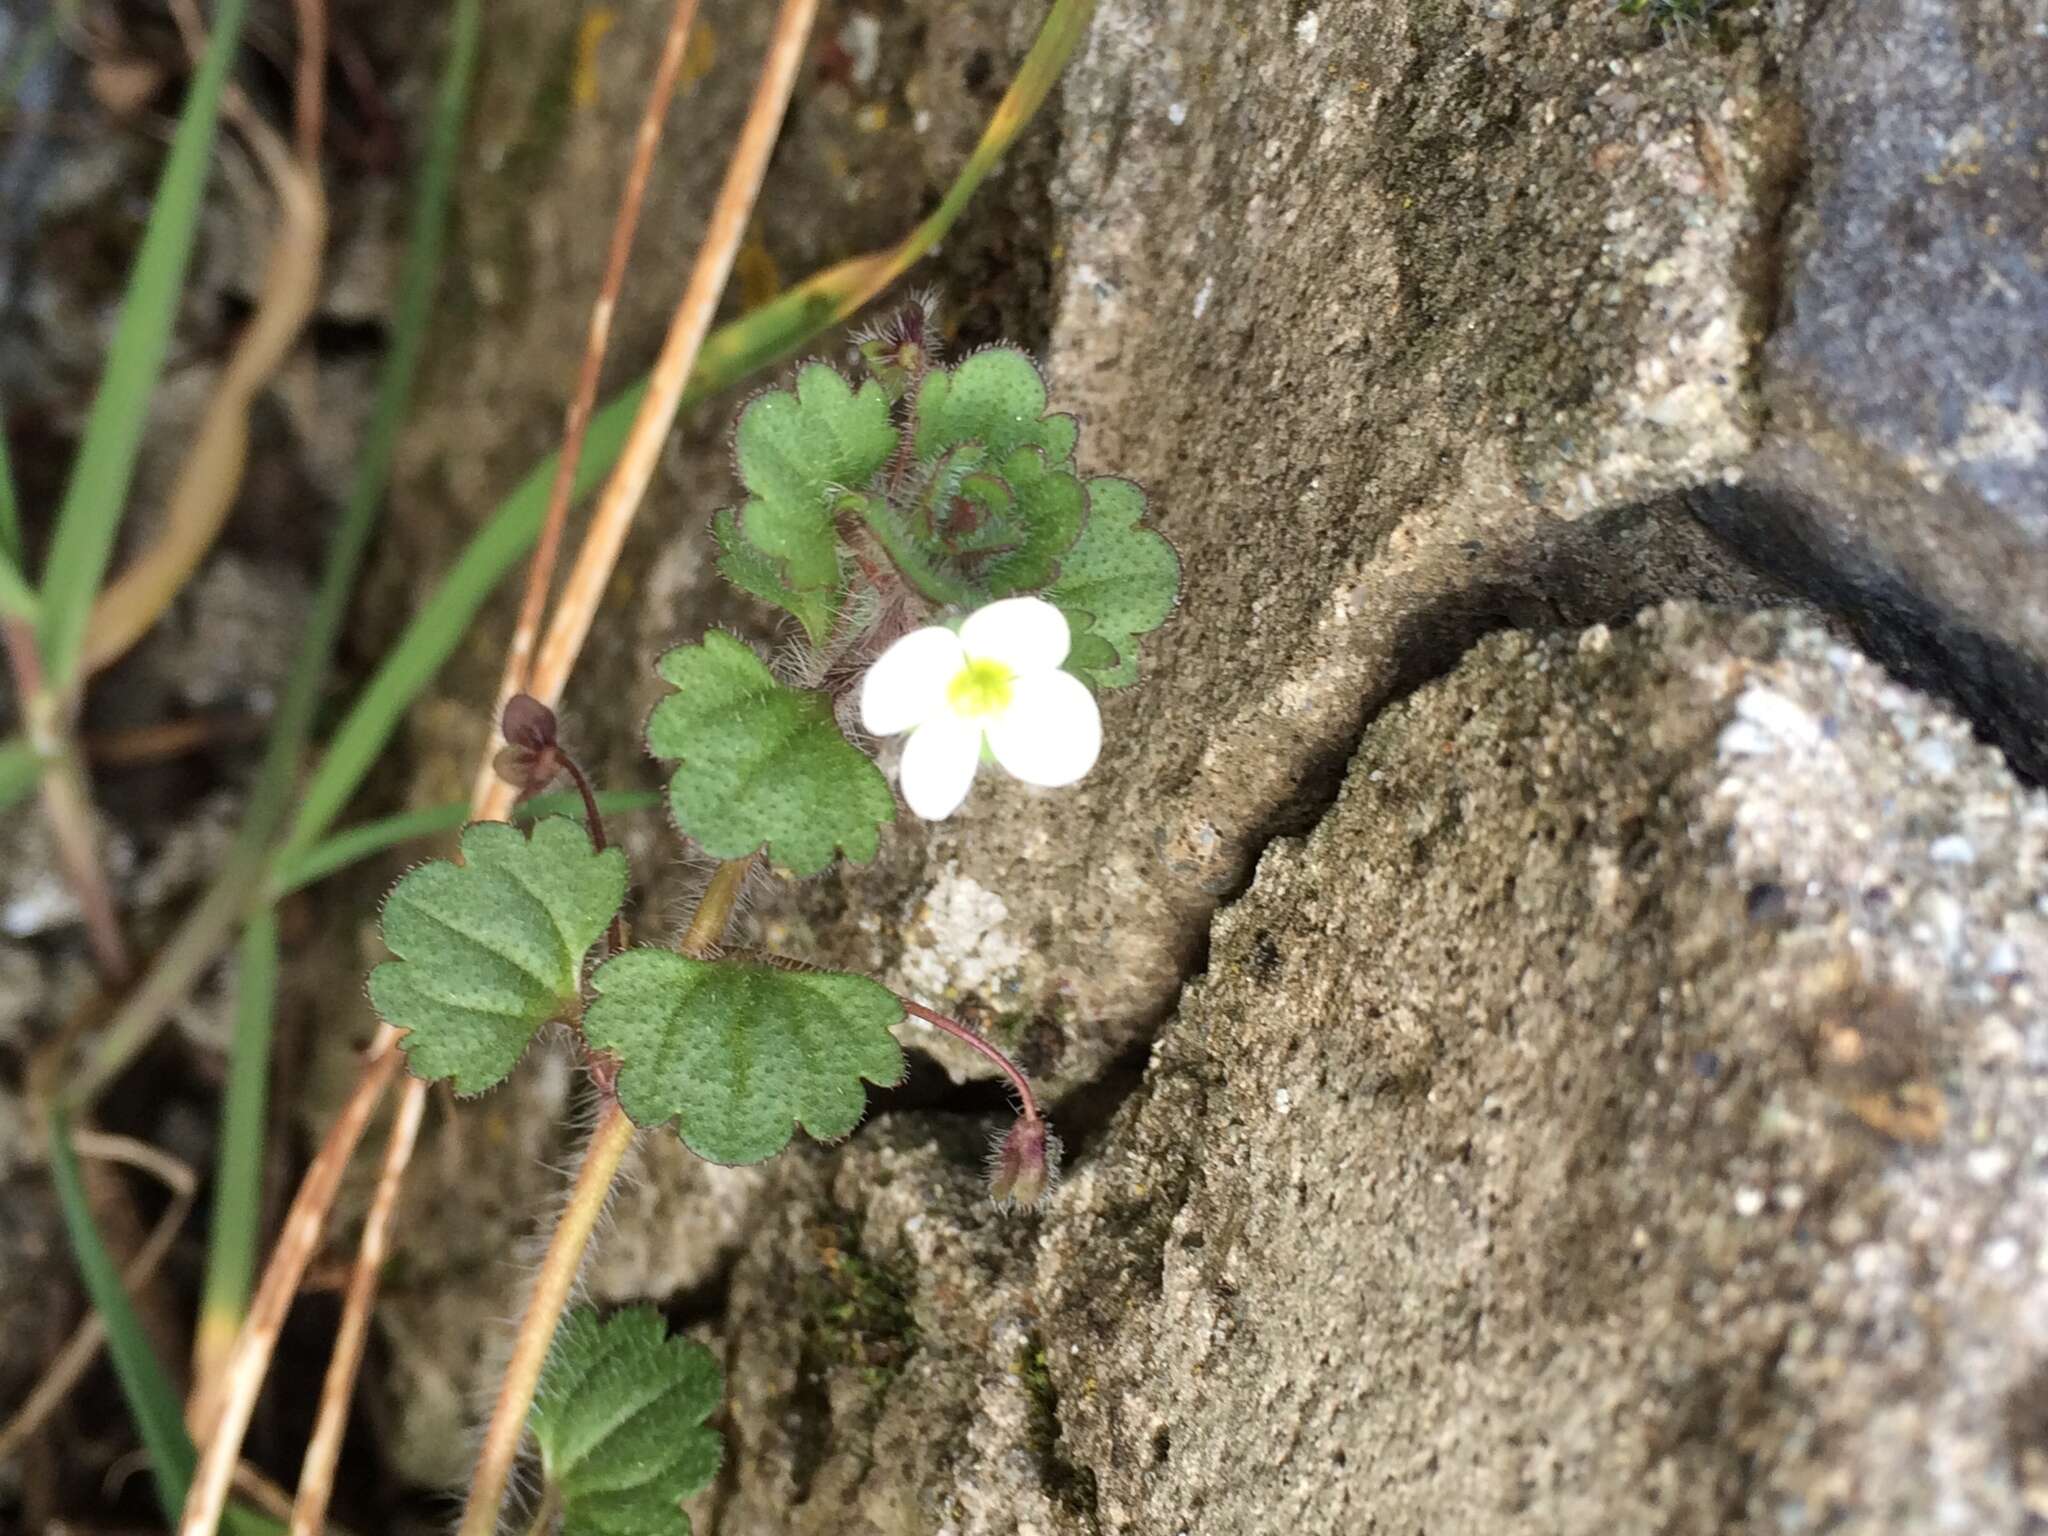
(919, 560)
(760, 765)
(1117, 582)
(492, 948)
(751, 571)
(619, 1418)
(995, 398)
(1042, 517)
(737, 1053)
(795, 448)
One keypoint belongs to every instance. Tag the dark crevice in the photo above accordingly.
(1600, 570)
(2000, 689)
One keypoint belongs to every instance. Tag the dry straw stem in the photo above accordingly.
(67, 805)
(220, 1427)
(600, 551)
(211, 472)
(492, 799)
(620, 498)
(83, 1347)
(599, 554)
(323, 1450)
(540, 572)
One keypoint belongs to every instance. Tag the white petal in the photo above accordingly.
(907, 684)
(1052, 731)
(938, 765)
(1025, 634)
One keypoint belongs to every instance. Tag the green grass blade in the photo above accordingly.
(239, 883)
(352, 846)
(418, 275)
(93, 501)
(238, 1170)
(20, 770)
(757, 340)
(17, 598)
(144, 1384)
(439, 626)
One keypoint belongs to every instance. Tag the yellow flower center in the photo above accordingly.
(982, 688)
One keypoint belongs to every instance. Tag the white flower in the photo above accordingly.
(998, 681)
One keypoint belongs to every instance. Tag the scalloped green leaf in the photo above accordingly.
(762, 765)
(995, 398)
(737, 1053)
(619, 1419)
(492, 948)
(1119, 581)
(753, 572)
(794, 448)
(1044, 515)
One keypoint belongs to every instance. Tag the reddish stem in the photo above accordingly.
(968, 1037)
(595, 822)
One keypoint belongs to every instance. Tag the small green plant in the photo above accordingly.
(619, 1420)
(953, 580)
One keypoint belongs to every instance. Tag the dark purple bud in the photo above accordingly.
(1024, 1164)
(528, 723)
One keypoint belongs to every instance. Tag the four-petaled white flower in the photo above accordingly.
(998, 681)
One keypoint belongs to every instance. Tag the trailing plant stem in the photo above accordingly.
(968, 1037)
(708, 923)
(545, 1512)
(601, 1158)
(551, 1287)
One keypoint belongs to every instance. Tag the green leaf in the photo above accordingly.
(619, 1418)
(105, 464)
(795, 448)
(760, 765)
(928, 570)
(995, 398)
(1040, 524)
(738, 1053)
(492, 948)
(1119, 581)
(17, 598)
(751, 571)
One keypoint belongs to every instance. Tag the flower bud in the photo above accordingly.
(530, 758)
(528, 723)
(1024, 1164)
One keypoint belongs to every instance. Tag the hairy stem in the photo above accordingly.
(968, 1037)
(601, 1158)
(545, 1512)
(551, 1287)
(714, 911)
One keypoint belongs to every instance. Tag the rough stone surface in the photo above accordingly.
(1904, 478)
(1414, 322)
(1625, 1110)
(1418, 319)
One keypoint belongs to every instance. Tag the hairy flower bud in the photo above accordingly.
(1024, 1164)
(530, 758)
